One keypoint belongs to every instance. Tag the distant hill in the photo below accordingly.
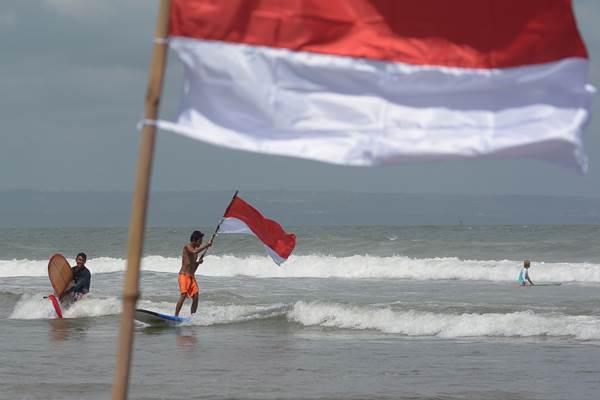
(111, 209)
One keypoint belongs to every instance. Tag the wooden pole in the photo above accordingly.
(220, 222)
(137, 221)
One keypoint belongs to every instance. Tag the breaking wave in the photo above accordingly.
(419, 323)
(351, 267)
(386, 319)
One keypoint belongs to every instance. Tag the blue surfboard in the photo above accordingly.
(156, 318)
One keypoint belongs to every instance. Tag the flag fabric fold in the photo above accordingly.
(241, 217)
(370, 82)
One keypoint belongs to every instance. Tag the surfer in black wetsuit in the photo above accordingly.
(81, 278)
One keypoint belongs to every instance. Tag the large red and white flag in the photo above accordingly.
(368, 82)
(241, 217)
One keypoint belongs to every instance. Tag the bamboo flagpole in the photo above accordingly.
(220, 222)
(137, 221)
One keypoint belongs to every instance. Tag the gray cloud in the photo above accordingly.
(8, 20)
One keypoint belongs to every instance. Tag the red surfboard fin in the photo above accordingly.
(56, 305)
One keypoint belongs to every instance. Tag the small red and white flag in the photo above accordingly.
(241, 217)
(370, 82)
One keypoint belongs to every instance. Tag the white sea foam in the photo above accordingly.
(227, 314)
(418, 323)
(353, 267)
(344, 316)
(93, 307)
(36, 307)
(33, 307)
(209, 314)
(15, 268)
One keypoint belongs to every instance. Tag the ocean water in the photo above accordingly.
(357, 312)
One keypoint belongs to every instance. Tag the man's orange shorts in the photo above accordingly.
(188, 285)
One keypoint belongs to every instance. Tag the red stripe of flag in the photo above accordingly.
(456, 33)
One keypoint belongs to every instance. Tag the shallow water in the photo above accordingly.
(338, 325)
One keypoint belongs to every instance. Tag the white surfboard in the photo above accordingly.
(542, 284)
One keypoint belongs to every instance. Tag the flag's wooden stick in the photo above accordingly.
(220, 222)
(137, 221)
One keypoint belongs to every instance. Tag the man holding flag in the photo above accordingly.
(239, 217)
(190, 259)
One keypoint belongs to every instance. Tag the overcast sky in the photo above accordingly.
(72, 82)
